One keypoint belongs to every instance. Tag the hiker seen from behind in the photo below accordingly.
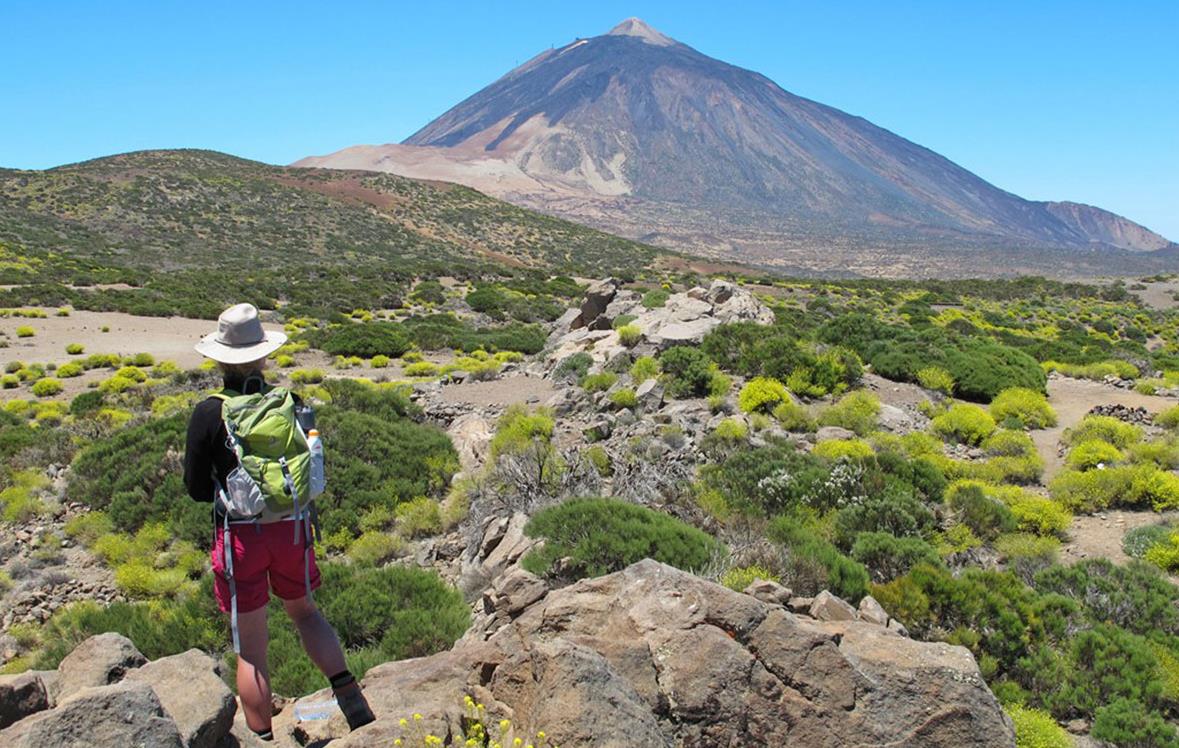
(252, 451)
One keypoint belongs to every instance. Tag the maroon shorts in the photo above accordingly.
(265, 557)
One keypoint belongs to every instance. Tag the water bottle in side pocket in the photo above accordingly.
(315, 446)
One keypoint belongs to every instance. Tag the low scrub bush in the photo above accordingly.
(624, 398)
(1098, 371)
(815, 564)
(630, 335)
(937, 379)
(47, 387)
(740, 577)
(1093, 453)
(986, 516)
(836, 449)
(375, 547)
(1134, 596)
(964, 423)
(573, 368)
(893, 509)
(1139, 540)
(644, 368)
(1027, 407)
(687, 371)
(1027, 554)
(1103, 428)
(855, 411)
(75, 349)
(307, 376)
(600, 536)
(1035, 728)
(1169, 418)
(366, 339)
(794, 417)
(888, 557)
(25, 331)
(599, 382)
(420, 516)
(762, 395)
(1126, 722)
(70, 370)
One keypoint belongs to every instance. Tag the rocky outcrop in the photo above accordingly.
(191, 692)
(652, 656)
(99, 660)
(123, 714)
(684, 319)
(109, 695)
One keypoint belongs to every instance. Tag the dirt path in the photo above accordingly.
(1072, 399)
(1100, 535)
(500, 392)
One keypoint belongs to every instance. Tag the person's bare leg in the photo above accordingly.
(323, 647)
(317, 635)
(253, 675)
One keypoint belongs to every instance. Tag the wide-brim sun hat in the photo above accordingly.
(240, 337)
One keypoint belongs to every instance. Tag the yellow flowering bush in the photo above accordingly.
(478, 732)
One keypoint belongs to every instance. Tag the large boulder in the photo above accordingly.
(98, 661)
(192, 693)
(597, 297)
(653, 656)
(20, 696)
(127, 715)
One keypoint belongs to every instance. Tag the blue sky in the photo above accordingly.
(1050, 100)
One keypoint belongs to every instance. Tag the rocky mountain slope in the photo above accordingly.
(163, 210)
(643, 135)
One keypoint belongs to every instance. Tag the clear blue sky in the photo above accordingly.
(1048, 99)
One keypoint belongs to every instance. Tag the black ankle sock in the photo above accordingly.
(339, 680)
(266, 735)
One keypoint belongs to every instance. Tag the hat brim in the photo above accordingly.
(240, 354)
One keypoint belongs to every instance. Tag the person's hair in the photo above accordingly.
(242, 371)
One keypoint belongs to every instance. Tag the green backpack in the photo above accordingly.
(274, 461)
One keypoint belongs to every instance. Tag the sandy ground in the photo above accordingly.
(1159, 295)
(1072, 399)
(169, 338)
(501, 392)
(1100, 535)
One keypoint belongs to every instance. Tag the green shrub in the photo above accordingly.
(740, 577)
(629, 335)
(47, 387)
(816, 564)
(1040, 515)
(1169, 418)
(600, 459)
(968, 424)
(70, 370)
(731, 430)
(1092, 490)
(25, 331)
(687, 371)
(984, 515)
(599, 382)
(644, 368)
(88, 527)
(893, 510)
(19, 502)
(86, 403)
(1025, 406)
(887, 557)
(937, 379)
(794, 417)
(307, 376)
(1164, 553)
(374, 547)
(600, 536)
(75, 349)
(573, 368)
(1035, 728)
(655, 298)
(1093, 453)
(1103, 428)
(379, 361)
(420, 516)
(836, 449)
(1027, 554)
(762, 395)
(9, 381)
(856, 411)
(624, 398)
(1126, 722)
(421, 369)
(1134, 596)
(284, 361)
(518, 428)
(366, 339)
(1139, 540)
(1163, 454)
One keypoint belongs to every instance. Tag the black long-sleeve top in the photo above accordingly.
(207, 445)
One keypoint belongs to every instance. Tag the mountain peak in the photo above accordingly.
(636, 27)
